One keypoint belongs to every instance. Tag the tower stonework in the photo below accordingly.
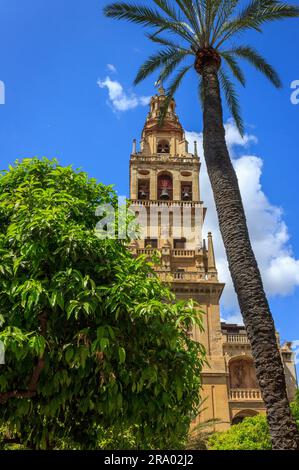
(165, 196)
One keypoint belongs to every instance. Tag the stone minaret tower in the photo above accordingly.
(165, 196)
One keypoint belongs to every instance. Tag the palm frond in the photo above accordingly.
(168, 9)
(164, 41)
(200, 16)
(177, 81)
(198, 24)
(254, 15)
(161, 58)
(171, 66)
(135, 13)
(211, 9)
(187, 7)
(234, 67)
(231, 99)
(262, 11)
(252, 56)
(148, 17)
(225, 11)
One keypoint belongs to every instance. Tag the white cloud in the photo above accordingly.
(235, 318)
(119, 99)
(268, 231)
(111, 68)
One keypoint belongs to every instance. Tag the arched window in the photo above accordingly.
(163, 146)
(143, 189)
(165, 188)
(186, 191)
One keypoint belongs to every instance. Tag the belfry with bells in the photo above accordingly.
(165, 196)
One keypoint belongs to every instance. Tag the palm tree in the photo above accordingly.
(203, 30)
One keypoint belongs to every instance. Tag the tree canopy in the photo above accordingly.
(190, 33)
(92, 338)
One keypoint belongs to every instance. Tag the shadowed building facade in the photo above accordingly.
(165, 196)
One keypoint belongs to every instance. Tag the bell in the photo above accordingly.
(164, 194)
(142, 195)
(186, 196)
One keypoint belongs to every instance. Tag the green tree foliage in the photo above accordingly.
(251, 434)
(94, 342)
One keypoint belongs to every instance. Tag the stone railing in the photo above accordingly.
(175, 253)
(162, 157)
(157, 203)
(245, 394)
(191, 276)
(183, 276)
(237, 339)
(180, 253)
(146, 251)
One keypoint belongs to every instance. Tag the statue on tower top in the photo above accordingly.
(159, 86)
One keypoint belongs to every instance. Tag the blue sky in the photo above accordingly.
(54, 52)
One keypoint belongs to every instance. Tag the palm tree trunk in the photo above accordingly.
(244, 269)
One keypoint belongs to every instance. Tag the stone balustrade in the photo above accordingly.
(162, 157)
(188, 276)
(175, 253)
(184, 276)
(237, 339)
(146, 251)
(149, 202)
(180, 253)
(244, 394)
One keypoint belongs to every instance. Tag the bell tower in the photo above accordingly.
(165, 196)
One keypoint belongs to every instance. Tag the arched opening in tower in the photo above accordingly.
(186, 191)
(143, 189)
(165, 187)
(163, 146)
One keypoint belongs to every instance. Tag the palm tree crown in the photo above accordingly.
(201, 30)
